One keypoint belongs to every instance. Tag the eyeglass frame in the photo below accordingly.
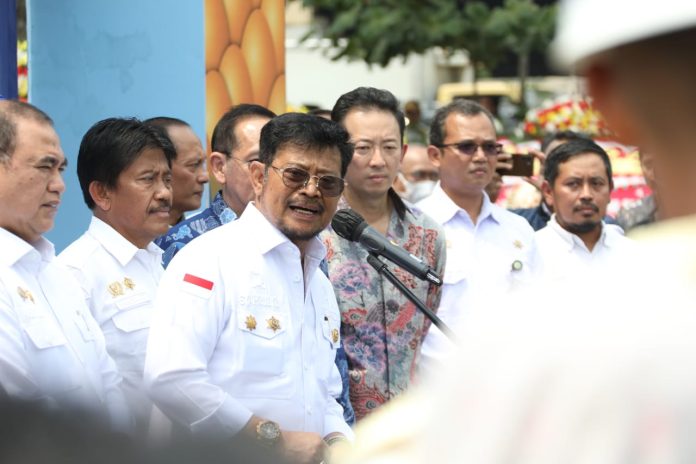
(498, 147)
(281, 173)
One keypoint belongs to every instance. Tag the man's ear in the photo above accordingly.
(101, 195)
(435, 155)
(546, 191)
(257, 173)
(218, 162)
(404, 149)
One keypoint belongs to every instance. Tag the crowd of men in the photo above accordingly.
(254, 320)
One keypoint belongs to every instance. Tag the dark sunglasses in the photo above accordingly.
(294, 178)
(469, 147)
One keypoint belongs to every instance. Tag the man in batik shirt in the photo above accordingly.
(382, 330)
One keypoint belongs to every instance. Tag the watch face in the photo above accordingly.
(269, 430)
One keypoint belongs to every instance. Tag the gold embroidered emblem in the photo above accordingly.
(273, 324)
(250, 322)
(128, 282)
(116, 289)
(334, 335)
(25, 294)
(518, 244)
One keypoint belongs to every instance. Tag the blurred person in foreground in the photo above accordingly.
(189, 175)
(52, 351)
(382, 330)
(587, 380)
(124, 169)
(644, 211)
(417, 176)
(577, 186)
(246, 326)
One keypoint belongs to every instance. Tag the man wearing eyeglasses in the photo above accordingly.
(235, 144)
(382, 329)
(489, 250)
(246, 326)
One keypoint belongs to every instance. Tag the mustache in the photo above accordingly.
(161, 207)
(586, 204)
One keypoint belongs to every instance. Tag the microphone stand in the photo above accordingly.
(382, 269)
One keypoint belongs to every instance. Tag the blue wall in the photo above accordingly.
(93, 59)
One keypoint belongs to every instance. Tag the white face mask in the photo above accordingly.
(416, 191)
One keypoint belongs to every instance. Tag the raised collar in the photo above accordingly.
(443, 209)
(15, 249)
(116, 244)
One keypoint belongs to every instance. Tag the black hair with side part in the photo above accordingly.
(457, 106)
(568, 150)
(305, 132)
(367, 98)
(224, 140)
(111, 145)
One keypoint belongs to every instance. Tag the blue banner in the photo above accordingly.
(8, 48)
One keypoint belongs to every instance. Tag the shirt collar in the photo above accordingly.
(606, 238)
(268, 237)
(445, 208)
(14, 249)
(116, 244)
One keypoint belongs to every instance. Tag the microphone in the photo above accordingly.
(351, 226)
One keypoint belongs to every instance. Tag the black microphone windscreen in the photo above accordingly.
(346, 223)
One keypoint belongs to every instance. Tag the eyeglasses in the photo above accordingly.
(469, 147)
(295, 178)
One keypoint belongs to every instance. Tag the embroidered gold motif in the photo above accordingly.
(128, 282)
(518, 244)
(25, 294)
(116, 289)
(334, 335)
(250, 322)
(273, 324)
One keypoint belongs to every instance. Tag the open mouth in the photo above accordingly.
(306, 210)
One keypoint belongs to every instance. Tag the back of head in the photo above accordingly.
(165, 122)
(224, 139)
(457, 106)
(305, 132)
(368, 98)
(568, 150)
(111, 145)
(10, 112)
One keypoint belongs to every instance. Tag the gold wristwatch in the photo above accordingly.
(268, 433)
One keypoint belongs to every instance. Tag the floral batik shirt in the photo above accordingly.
(381, 329)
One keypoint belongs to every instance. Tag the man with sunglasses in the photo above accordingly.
(235, 144)
(489, 250)
(382, 329)
(246, 326)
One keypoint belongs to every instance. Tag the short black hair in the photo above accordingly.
(568, 150)
(566, 136)
(224, 139)
(306, 132)
(10, 111)
(457, 106)
(113, 144)
(367, 98)
(165, 122)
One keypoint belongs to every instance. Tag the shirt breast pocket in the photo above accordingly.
(263, 335)
(50, 356)
(133, 312)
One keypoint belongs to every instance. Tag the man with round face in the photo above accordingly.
(418, 175)
(489, 250)
(374, 312)
(235, 145)
(578, 184)
(124, 168)
(189, 175)
(246, 325)
(51, 349)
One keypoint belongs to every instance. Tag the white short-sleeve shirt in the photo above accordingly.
(241, 328)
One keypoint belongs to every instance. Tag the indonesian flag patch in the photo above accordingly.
(199, 281)
(197, 286)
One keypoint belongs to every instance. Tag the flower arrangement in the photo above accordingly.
(565, 113)
(22, 70)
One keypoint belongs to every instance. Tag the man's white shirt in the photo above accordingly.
(564, 255)
(51, 348)
(238, 331)
(119, 282)
(484, 261)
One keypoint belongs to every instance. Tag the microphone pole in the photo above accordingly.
(382, 269)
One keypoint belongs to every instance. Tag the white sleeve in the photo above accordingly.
(333, 420)
(187, 322)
